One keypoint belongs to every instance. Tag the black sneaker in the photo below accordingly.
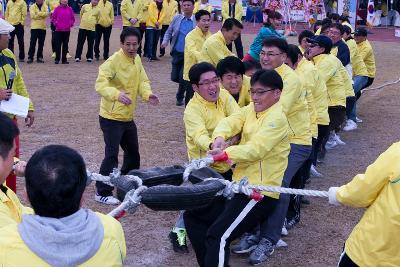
(65, 62)
(29, 61)
(97, 58)
(180, 103)
(178, 241)
(56, 62)
(290, 223)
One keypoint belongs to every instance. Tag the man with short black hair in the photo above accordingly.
(231, 72)
(303, 44)
(367, 54)
(215, 48)
(233, 9)
(61, 233)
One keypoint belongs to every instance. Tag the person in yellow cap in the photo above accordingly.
(89, 15)
(233, 9)
(215, 47)
(103, 28)
(39, 14)
(16, 14)
(374, 240)
(10, 67)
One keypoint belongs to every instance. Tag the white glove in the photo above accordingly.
(332, 196)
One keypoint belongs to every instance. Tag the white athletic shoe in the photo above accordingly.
(281, 244)
(53, 55)
(284, 231)
(314, 172)
(338, 140)
(358, 120)
(109, 200)
(350, 126)
(331, 144)
(68, 55)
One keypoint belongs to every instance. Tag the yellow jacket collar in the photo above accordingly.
(221, 37)
(125, 57)
(282, 69)
(318, 58)
(204, 102)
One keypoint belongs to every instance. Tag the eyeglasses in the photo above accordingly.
(209, 82)
(263, 54)
(259, 92)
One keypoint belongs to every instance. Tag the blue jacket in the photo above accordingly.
(256, 46)
(173, 29)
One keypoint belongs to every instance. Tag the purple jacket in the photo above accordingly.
(63, 18)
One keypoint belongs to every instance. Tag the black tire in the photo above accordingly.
(199, 175)
(167, 197)
(172, 175)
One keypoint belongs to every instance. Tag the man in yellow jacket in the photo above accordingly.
(89, 14)
(261, 156)
(132, 13)
(103, 28)
(231, 72)
(171, 9)
(366, 52)
(60, 233)
(234, 9)
(194, 41)
(16, 14)
(215, 48)
(39, 13)
(121, 80)
(374, 240)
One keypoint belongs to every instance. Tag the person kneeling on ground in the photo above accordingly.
(261, 155)
(61, 233)
(374, 241)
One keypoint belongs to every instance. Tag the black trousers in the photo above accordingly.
(318, 149)
(238, 46)
(62, 40)
(369, 83)
(189, 91)
(37, 35)
(163, 30)
(345, 261)
(106, 32)
(19, 31)
(177, 74)
(53, 37)
(117, 133)
(82, 36)
(213, 228)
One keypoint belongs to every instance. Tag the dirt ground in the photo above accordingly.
(67, 113)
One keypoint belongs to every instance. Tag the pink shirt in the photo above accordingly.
(63, 18)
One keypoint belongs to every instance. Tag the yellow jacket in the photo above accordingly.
(293, 100)
(16, 12)
(52, 4)
(38, 16)
(121, 73)
(155, 16)
(238, 10)
(131, 10)
(214, 49)
(375, 241)
(11, 209)
(357, 63)
(89, 16)
(347, 82)
(367, 54)
(200, 118)
(264, 147)
(171, 9)
(10, 64)
(197, 7)
(145, 10)
(194, 41)
(244, 95)
(329, 69)
(106, 16)
(112, 251)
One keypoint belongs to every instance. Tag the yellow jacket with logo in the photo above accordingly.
(357, 64)
(238, 10)
(197, 7)
(121, 73)
(52, 4)
(11, 209)
(367, 54)
(200, 118)
(194, 41)
(16, 12)
(154, 15)
(329, 69)
(375, 241)
(112, 251)
(89, 16)
(131, 10)
(106, 16)
(171, 9)
(293, 100)
(214, 49)
(38, 16)
(244, 95)
(264, 147)
(9, 64)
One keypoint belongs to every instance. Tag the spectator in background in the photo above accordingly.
(202, 5)
(132, 15)
(303, 44)
(16, 14)
(251, 66)
(233, 9)
(39, 12)
(63, 19)
(51, 5)
(103, 28)
(171, 8)
(155, 18)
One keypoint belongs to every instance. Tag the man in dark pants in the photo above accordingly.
(104, 27)
(234, 9)
(117, 109)
(180, 26)
(39, 13)
(15, 14)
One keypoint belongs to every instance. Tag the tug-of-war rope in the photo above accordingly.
(382, 86)
(133, 197)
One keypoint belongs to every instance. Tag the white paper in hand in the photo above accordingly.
(17, 105)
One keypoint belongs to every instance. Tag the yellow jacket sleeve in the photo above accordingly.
(112, 15)
(83, 10)
(190, 45)
(364, 188)
(103, 86)
(290, 95)
(124, 9)
(231, 125)
(20, 89)
(196, 130)
(144, 87)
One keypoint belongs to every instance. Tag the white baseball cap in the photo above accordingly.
(5, 27)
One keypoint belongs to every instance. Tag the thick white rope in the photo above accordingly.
(131, 201)
(112, 178)
(196, 164)
(381, 86)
